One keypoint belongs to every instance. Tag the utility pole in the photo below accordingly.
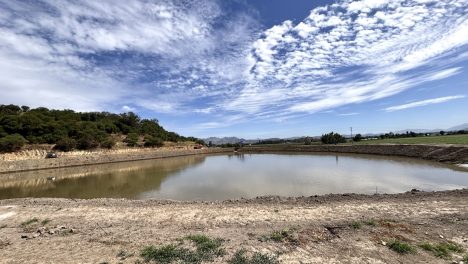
(351, 135)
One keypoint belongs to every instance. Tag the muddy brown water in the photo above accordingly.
(221, 177)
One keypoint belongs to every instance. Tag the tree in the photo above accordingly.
(12, 143)
(357, 137)
(332, 138)
(442, 132)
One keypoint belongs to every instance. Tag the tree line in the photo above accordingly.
(70, 130)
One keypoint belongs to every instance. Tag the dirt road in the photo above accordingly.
(324, 229)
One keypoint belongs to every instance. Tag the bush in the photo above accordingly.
(12, 143)
(108, 143)
(153, 142)
(87, 142)
(332, 138)
(132, 139)
(65, 144)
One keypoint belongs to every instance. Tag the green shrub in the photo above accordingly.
(12, 143)
(108, 143)
(65, 144)
(257, 258)
(132, 139)
(87, 142)
(153, 142)
(401, 247)
(442, 250)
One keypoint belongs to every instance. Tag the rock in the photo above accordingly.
(441, 236)
(383, 243)
(51, 232)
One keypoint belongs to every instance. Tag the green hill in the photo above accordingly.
(69, 130)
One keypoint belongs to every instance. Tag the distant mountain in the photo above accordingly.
(223, 140)
(459, 127)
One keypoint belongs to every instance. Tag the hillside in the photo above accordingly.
(70, 130)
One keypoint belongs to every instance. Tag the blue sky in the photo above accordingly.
(264, 68)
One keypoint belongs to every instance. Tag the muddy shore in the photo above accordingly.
(319, 229)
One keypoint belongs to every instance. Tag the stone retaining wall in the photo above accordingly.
(98, 158)
(442, 153)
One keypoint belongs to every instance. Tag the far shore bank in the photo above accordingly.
(453, 154)
(99, 157)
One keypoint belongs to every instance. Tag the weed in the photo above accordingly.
(356, 225)
(370, 222)
(257, 258)
(45, 221)
(164, 254)
(442, 250)
(30, 221)
(206, 249)
(465, 258)
(287, 235)
(401, 247)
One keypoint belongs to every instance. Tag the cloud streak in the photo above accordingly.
(424, 103)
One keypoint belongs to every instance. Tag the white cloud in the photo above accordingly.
(191, 56)
(424, 103)
(345, 54)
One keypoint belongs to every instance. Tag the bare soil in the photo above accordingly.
(320, 229)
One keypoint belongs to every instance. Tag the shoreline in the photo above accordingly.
(450, 154)
(333, 228)
(98, 158)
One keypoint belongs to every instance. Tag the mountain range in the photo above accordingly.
(234, 140)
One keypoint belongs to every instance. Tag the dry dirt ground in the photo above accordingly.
(324, 229)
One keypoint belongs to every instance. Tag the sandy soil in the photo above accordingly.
(323, 229)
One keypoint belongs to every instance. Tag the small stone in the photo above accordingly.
(36, 235)
(51, 232)
(441, 236)
(383, 243)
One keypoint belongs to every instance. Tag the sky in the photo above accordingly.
(252, 69)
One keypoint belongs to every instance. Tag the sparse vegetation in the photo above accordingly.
(30, 221)
(465, 258)
(401, 247)
(285, 235)
(356, 225)
(45, 221)
(257, 258)
(370, 222)
(206, 249)
(442, 250)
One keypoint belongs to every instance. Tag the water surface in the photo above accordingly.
(219, 177)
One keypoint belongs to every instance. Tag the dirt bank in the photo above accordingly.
(324, 229)
(443, 153)
(34, 160)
